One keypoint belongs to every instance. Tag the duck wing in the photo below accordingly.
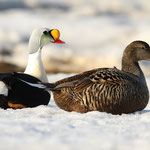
(104, 89)
(26, 77)
(102, 76)
(23, 91)
(76, 77)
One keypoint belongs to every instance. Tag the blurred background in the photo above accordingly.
(95, 31)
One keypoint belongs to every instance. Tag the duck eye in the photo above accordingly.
(143, 47)
(45, 32)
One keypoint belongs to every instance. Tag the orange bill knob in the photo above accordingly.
(56, 34)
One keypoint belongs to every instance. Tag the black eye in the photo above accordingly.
(143, 47)
(45, 32)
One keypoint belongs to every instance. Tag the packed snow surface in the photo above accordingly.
(48, 127)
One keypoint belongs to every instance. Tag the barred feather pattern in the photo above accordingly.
(104, 89)
(107, 89)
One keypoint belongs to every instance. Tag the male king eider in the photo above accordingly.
(20, 90)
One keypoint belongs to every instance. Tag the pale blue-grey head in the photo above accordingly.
(41, 37)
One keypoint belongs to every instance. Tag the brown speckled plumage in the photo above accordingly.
(106, 89)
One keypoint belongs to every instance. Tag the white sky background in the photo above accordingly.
(96, 32)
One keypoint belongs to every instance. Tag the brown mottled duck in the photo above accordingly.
(107, 89)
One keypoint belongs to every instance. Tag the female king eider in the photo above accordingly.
(20, 90)
(107, 89)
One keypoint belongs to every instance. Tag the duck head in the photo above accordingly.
(138, 50)
(41, 37)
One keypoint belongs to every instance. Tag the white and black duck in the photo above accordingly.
(18, 90)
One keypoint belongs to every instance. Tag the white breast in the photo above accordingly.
(35, 67)
(3, 89)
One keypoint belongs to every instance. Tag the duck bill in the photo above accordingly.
(59, 41)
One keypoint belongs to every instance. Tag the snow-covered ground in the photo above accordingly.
(48, 127)
(96, 33)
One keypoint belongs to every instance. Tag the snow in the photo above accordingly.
(96, 33)
(48, 127)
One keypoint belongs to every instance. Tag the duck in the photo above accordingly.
(107, 90)
(21, 90)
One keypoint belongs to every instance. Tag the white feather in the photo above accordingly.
(35, 66)
(34, 84)
(3, 89)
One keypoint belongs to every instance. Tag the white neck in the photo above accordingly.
(35, 66)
